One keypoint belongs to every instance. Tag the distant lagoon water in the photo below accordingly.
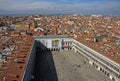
(47, 14)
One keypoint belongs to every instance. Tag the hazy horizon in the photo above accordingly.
(87, 7)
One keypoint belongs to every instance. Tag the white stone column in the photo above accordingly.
(110, 77)
(91, 62)
(98, 68)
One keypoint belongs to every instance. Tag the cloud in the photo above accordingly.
(61, 6)
(21, 6)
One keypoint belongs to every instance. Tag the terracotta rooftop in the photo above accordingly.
(84, 30)
(16, 62)
(114, 55)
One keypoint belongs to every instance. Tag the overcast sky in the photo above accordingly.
(103, 7)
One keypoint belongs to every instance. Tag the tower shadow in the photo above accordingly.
(44, 65)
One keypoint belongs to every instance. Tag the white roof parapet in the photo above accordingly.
(106, 58)
(50, 36)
